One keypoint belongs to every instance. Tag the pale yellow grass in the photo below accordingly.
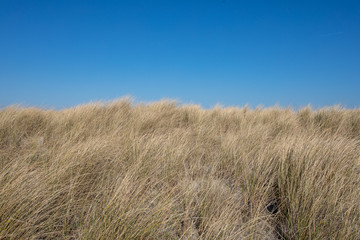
(162, 171)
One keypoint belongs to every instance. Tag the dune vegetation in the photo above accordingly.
(120, 170)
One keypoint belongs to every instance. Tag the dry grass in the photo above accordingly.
(162, 171)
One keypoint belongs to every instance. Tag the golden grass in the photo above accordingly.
(163, 171)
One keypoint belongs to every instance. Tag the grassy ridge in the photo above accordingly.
(162, 171)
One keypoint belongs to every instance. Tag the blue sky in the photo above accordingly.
(58, 54)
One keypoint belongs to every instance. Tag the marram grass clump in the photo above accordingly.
(162, 171)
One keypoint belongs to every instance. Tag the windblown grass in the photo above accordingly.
(163, 171)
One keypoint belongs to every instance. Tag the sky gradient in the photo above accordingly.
(57, 54)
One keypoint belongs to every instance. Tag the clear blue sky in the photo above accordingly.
(62, 53)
